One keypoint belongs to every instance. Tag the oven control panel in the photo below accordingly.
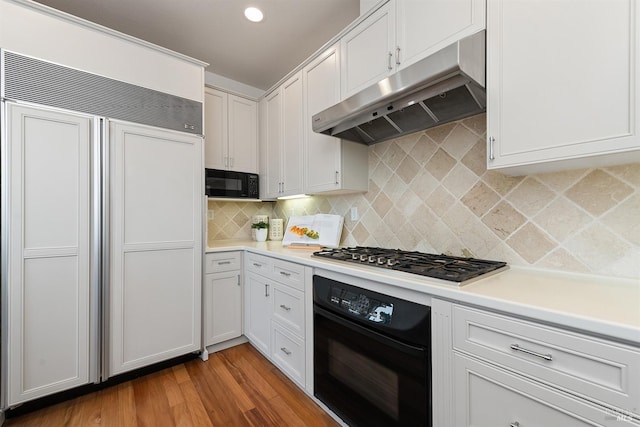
(360, 305)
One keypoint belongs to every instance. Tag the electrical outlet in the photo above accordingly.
(210, 215)
(354, 213)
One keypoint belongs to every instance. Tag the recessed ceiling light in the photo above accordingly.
(253, 14)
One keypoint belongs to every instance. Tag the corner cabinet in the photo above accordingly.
(231, 132)
(282, 131)
(565, 97)
(331, 165)
(402, 32)
(505, 371)
(275, 307)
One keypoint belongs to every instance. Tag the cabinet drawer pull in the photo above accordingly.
(389, 61)
(266, 290)
(224, 262)
(492, 155)
(514, 424)
(284, 307)
(397, 55)
(255, 264)
(285, 351)
(516, 347)
(285, 274)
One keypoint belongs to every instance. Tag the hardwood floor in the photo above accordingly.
(235, 387)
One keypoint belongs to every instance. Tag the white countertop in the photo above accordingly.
(597, 305)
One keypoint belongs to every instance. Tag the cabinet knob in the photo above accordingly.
(514, 424)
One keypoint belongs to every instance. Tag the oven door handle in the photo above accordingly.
(376, 336)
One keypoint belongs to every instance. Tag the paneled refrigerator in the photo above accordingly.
(101, 230)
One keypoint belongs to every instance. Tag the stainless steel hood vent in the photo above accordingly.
(446, 86)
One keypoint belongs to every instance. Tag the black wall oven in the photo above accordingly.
(372, 356)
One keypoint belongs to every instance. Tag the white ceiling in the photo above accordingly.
(215, 31)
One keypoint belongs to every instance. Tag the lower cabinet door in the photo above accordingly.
(257, 309)
(488, 397)
(287, 351)
(223, 307)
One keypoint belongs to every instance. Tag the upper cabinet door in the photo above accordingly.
(426, 26)
(215, 129)
(368, 51)
(563, 82)
(243, 134)
(292, 136)
(271, 173)
(323, 152)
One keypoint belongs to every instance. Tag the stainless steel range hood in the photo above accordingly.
(445, 86)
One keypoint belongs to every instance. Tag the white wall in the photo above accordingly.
(44, 33)
(228, 85)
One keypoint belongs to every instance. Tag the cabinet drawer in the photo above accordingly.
(259, 264)
(289, 273)
(287, 351)
(219, 262)
(494, 397)
(288, 308)
(596, 369)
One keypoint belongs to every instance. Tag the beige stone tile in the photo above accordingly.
(477, 123)
(394, 156)
(240, 219)
(408, 169)
(374, 190)
(440, 133)
(441, 238)
(440, 201)
(459, 142)
(407, 142)
(475, 237)
(480, 198)
(394, 188)
(360, 233)
(408, 237)
(630, 173)
(459, 180)
(531, 243)
(598, 248)
(423, 150)
(504, 252)
(423, 221)
(423, 184)
(380, 149)
(476, 158)
(530, 196)
(410, 203)
(561, 219)
(500, 182)
(560, 181)
(503, 219)
(560, 259)
(440, 164)
(624, 219)
(598, 192)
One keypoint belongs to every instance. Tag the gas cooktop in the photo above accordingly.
(450, 269)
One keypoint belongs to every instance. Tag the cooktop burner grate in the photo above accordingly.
(449, 268)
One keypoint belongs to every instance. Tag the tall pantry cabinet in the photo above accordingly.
(101, 203)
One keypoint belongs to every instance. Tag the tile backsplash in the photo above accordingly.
(430, 191)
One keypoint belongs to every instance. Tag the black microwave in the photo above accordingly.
(231, 184)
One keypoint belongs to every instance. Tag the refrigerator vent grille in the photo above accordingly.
(45, 83)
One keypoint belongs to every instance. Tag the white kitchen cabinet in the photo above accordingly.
(402, 32)
(488, 396)
(565, 97)
(222, 297)
(49, 282)
(155, 294)
(502, 370)
(257, 311)
(331, 164)
(231, 132)
(282, 140)
(275, 308)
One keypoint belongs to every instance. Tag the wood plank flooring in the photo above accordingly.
(235, 387)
